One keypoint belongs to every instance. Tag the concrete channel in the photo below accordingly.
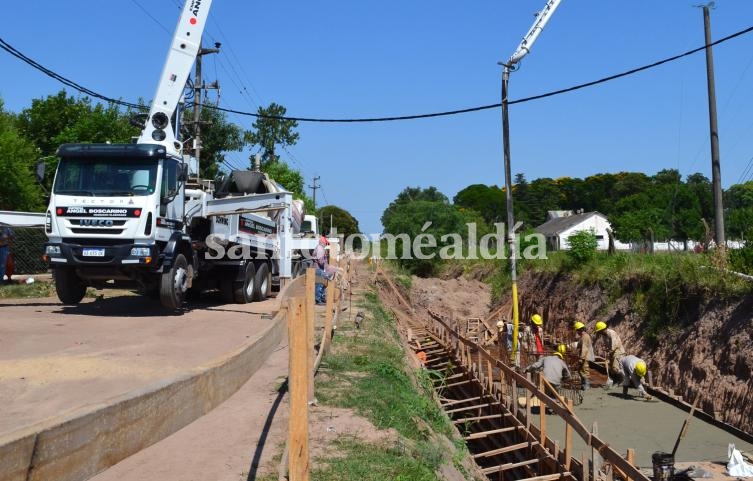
(486, 399)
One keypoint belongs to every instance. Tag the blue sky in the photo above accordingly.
(388, 58)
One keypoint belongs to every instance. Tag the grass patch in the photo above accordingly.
(376, 463)
(26, 291)
(366, 372)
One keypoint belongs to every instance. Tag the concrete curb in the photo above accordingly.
(79, 444)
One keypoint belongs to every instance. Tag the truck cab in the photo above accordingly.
(113, 211)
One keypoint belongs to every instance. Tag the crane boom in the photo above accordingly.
(180, 59)
(538, 26)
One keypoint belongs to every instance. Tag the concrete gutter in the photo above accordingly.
(77, 445)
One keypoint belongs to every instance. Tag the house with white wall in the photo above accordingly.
(563, 224)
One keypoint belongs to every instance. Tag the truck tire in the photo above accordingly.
(245, 291)
(174, 283)
(263, 282)
(70, 288)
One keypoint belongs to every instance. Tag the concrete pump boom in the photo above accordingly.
(538, 26)
(180, 58)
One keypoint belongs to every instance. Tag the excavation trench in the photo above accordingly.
(502, 415)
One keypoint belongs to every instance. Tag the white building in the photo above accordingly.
(562, 225)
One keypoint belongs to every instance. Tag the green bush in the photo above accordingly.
(583, 246)
(741, 260)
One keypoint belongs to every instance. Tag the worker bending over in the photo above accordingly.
(633, 372)
(553, 367)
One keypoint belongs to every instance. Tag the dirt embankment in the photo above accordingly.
(707, 352)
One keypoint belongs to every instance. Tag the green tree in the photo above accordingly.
(19, 189)
(410, 218)
(738, 203)
(60, 118)
(218, 136)
(270, 130)
(341, 219)
(412, 194)
(488, 201)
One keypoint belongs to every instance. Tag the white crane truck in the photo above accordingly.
(122, 215)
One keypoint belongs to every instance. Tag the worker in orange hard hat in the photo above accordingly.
(584, 349)
(615, 349)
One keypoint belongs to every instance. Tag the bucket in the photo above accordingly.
(664, 466)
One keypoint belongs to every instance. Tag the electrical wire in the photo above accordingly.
(65, 81)
(518, 101)
(146, 12)
(8, 48)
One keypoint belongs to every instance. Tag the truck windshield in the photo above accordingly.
(106, 177)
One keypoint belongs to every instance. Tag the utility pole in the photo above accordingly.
(198, 86)
(314, 187)
(523, 49)
(716, 175)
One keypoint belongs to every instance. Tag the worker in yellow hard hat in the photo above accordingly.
(584, 349)
(615, 349)
(634, 371)
(553, 368)
(536, 336)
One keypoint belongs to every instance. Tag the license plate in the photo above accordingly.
(94, 252)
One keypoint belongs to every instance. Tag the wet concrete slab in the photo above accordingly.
(646, 426)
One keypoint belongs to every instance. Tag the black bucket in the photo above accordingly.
(664, 466)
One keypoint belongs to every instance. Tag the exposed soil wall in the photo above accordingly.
(707, 350)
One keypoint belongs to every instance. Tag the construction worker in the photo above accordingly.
(633, 372)
(538, 334)
(584, 349)
(615, 349)
(553, 367)
(323, 270)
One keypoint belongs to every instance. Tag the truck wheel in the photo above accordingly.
(245, 291)
(70, 288)
(174, 283)
(263, 282)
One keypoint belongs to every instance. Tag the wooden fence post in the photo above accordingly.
(568, 439)
(309, 328)
(595, 456)
(542, 413)
(630, 459)
(298, 431)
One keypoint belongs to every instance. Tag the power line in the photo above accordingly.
(8, 48)
(146, 12)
